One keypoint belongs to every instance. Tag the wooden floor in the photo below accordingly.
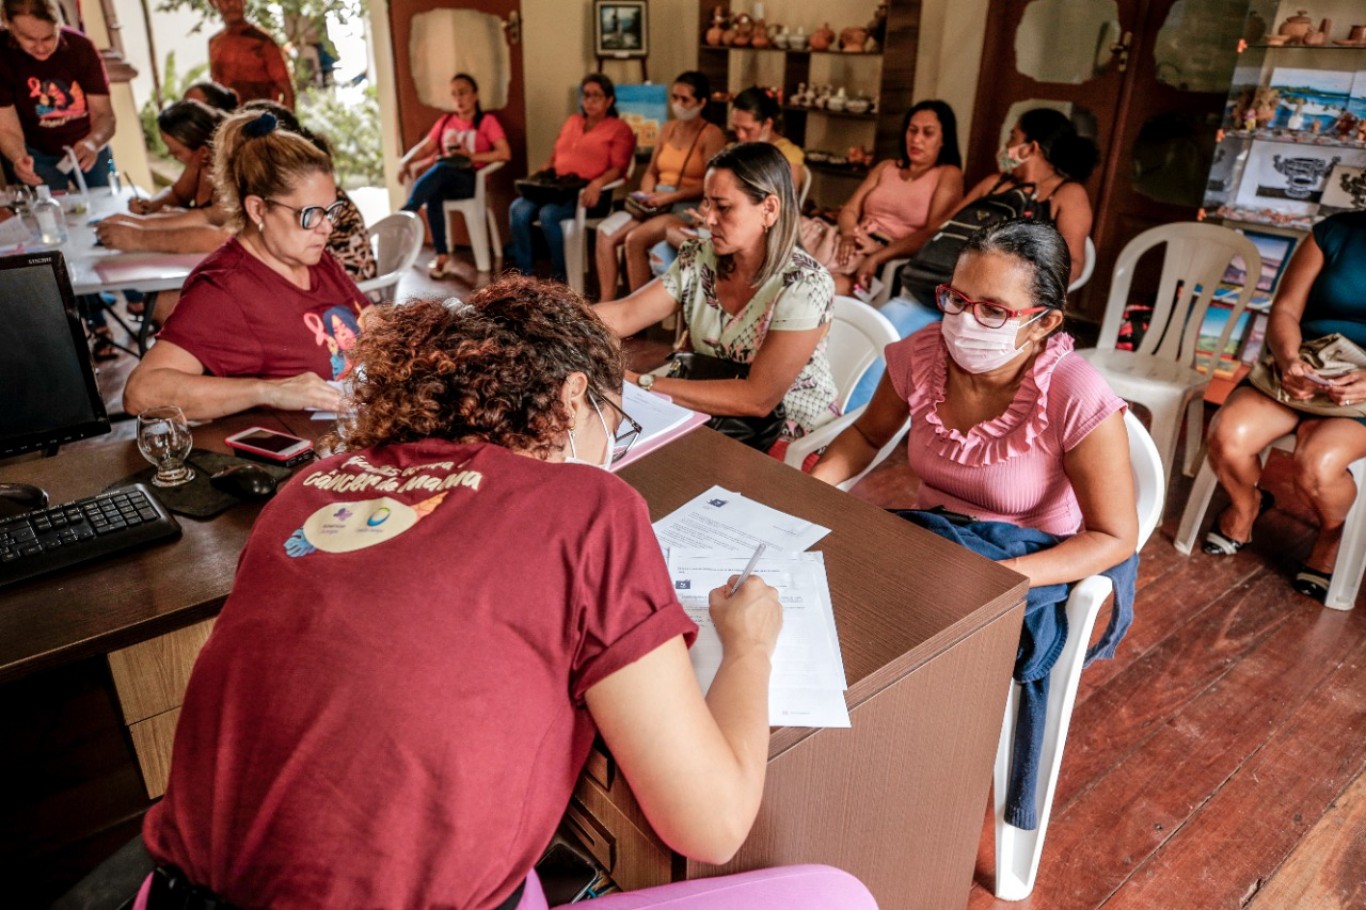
(1216, 762)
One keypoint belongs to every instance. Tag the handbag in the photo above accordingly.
(637, 209)
(548, 188)
(1330, 356)
(756, 432)
(934, 264)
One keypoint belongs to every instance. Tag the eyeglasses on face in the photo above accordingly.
(310, 216)
(628, 431)
(990, 315)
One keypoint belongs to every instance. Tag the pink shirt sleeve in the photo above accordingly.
(434, 134)
(490, 130)
(1083, 397)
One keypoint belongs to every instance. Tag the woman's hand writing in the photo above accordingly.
(752, 617)
(140, 206)
(119, 232)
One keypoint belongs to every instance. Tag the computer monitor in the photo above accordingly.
(49, 391)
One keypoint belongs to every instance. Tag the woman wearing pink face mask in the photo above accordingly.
(1006, 423)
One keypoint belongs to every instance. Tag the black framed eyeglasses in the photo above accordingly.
(628, 431)
(310, 216)
(989, 315)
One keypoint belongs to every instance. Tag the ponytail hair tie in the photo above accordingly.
(263, 125)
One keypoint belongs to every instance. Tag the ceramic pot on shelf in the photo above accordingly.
(822, 38)
(1297, 26)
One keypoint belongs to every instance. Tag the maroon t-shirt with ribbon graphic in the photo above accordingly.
(238, 317)
(51, 95)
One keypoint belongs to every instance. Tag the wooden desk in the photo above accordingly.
(928, 632)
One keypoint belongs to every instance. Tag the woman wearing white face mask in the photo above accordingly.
(513, 608)
(671, 185)
(1006, 423)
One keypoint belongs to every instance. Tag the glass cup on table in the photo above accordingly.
(164, 439)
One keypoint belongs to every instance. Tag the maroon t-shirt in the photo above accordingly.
(238, 317)
(389, 712)
(50, 95)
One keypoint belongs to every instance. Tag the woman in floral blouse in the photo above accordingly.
(749, 295)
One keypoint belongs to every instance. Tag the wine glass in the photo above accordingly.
(164, 439)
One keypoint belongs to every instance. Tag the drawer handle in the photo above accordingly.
(591, 833)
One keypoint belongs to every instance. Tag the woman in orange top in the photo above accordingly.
(672, 181)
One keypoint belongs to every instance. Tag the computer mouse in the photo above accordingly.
(245, 481)
(17, 498)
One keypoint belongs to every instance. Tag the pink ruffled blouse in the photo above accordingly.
(1009, 468)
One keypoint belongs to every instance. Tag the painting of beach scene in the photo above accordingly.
(1309, 96)
(1274, 249)
(1356, 105)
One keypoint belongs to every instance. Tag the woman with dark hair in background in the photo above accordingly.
(442, 166)
(672, 182)
(268, 317)
(214, 95)
(750, 295)
(187, 129)
(756, 116)
(1044, 161)
(595, 145)
(897, 200)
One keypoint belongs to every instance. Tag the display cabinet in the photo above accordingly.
(881, 77)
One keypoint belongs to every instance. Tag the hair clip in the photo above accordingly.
(263, 125)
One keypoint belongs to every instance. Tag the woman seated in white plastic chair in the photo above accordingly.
(1005, 425)
(672, 183)
(899, 198)
(1321, 293)
(749, 296)
(418, 748)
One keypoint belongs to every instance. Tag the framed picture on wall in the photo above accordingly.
(621, 28)
(1275, 251)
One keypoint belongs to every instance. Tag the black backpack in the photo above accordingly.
(933, 265)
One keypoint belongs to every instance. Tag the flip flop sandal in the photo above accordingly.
(1312, 583)
(438, 270)
(1217, 543)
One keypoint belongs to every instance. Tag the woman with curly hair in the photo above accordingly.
(416, 657)
(250, 329)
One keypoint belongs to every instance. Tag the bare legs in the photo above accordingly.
(638, 239)
(1250, 421)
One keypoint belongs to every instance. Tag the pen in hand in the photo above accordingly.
(749, 569)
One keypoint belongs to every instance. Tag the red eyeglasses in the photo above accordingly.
(990, 315)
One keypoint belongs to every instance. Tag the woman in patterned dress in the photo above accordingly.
(748, 294)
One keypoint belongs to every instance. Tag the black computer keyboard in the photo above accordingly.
(72, 533)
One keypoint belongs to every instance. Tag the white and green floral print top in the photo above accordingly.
(798, 298)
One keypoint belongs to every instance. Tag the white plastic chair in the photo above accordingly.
(1160, 374)
(1018, 851)
(480, 222)
(397, 240)
(1088, 268)
(575, 232)
(857, 337)
(805, 189)
(1351, 564)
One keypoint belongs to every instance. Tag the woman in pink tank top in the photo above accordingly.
(897, 198)
(1006, 423)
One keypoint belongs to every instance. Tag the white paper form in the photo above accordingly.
(720, 520)
(808, 682)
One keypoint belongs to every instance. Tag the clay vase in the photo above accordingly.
(1296, 27)
(761, 39)
(852, 38)
(744, 30)
(822, 38)
(1326, 29)
(728, 37)
(714, 35)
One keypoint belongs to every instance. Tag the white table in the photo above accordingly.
(95, 268)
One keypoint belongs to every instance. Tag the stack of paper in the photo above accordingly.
(661, 421)
(709, 540)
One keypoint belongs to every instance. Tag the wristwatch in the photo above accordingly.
(646, 381)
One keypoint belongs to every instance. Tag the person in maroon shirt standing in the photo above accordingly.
(268, 317)
(54, 95)
(404, 685)
(246, 58)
